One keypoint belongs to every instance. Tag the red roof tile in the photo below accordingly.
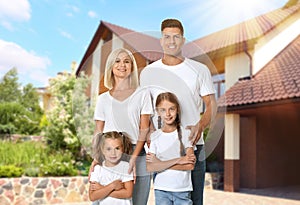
(145, 44)
(278, 80)
(245, 31)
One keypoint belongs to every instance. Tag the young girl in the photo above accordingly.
(116, 185)
(171, 154)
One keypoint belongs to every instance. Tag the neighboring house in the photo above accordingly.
(45, 98)
(257, 63)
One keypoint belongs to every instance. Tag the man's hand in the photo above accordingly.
(196, 131)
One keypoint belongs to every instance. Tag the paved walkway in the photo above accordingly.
(272, 196)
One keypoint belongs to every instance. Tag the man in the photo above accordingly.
(191, 82)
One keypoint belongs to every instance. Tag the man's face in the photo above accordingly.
(172, 41)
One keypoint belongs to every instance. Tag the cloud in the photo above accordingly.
(65, 34)
(28, 63)
(92, 14)
(15, 10)
(74, 9)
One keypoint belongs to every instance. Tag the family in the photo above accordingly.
(149, 127)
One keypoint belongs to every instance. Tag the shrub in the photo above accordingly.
(58, 164)
(10, 171)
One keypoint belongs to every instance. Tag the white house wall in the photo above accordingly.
(274, 42)
(116, 42)
(236, 66)
(96, 71)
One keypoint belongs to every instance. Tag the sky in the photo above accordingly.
(43, 37)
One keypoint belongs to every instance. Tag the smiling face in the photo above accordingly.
(172, 41)
(112, 151)
(168, 112)
(122, 66)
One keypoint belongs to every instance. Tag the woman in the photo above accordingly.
(125, 107)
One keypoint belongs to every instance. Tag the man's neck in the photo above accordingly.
(172, 60)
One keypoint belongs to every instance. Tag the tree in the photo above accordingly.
(70, 122)
(83, 112)
(60, 132)
(19, 107)
(9, 87)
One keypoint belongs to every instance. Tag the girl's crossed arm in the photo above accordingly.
(116, 189)
(182, 163)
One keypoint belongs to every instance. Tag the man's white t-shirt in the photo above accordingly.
(105, 175)
(188, 80)
(166, 146)
(123, 116)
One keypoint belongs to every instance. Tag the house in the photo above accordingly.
(257, 67)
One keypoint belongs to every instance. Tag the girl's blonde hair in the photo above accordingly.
(109, 80)
(99, 140)
(170, 97)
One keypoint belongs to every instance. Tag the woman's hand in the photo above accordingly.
(94, 163)
(132, 167)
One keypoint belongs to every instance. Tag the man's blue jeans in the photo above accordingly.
(198, 176)
(172, 198)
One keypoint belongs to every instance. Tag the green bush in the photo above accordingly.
(58, 164)
(36, 160)
(10, 171)
(21, 154)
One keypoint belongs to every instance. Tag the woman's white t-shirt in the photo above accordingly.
(123, 116)
(166, 146)
(105, 175)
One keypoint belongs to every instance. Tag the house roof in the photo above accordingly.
(278, 80)
(246, 31)
(145, 44)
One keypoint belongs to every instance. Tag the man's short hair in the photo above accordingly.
(172, 23)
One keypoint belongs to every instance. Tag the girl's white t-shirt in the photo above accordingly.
(166, 146)
(105, 175)
(123, 116)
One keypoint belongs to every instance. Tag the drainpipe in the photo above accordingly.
(245, 47)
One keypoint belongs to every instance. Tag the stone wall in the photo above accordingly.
(43, 190)
(58, 190)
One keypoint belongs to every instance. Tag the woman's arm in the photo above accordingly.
(104, 191)
(99, 126)
(144, 129)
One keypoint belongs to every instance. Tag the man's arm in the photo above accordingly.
(208, 115)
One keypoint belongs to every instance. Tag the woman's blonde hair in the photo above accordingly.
(109, 80)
